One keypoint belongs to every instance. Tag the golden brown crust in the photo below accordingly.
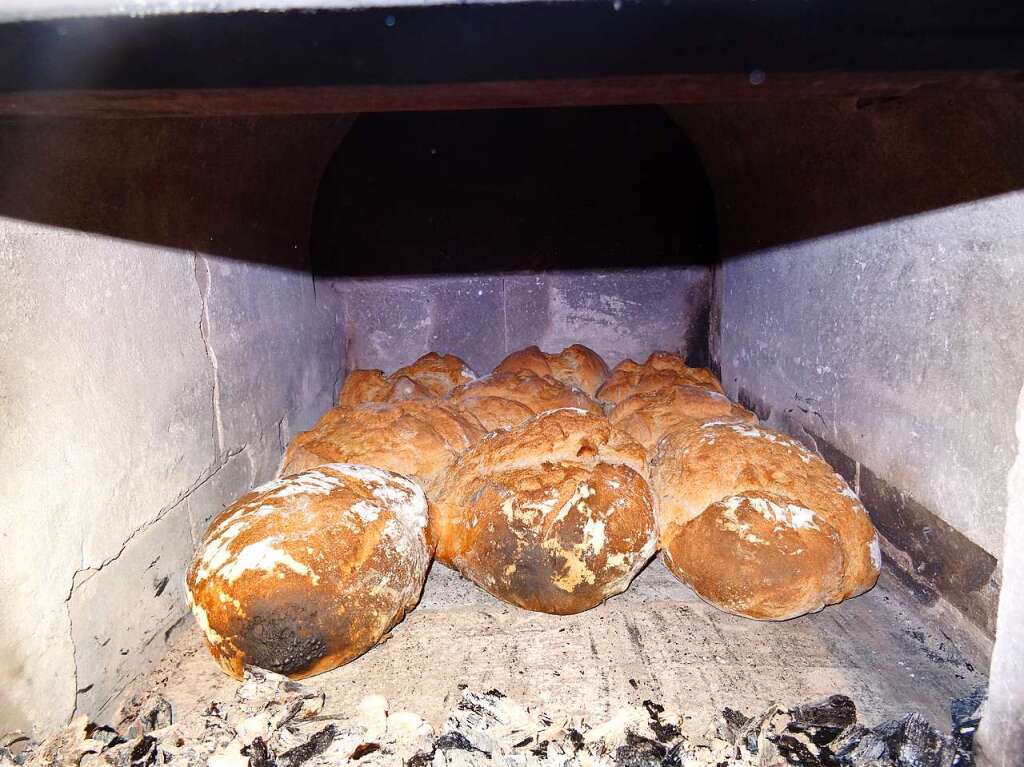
(758, 555)
(575, 365)
(661, 371)
(436, 373)
(416, 438)
(650, 416)
(552, 515)
(536, 392)
(496, 412)
(693, 470)
(429, 377)
(308, 572)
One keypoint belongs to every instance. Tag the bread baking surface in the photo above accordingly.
(553, 515)
(650, 416)
(538, 393)
(575, 365)
(309, 571)
(660, 371)
(431, 376)
(694, 470)
(417, 438)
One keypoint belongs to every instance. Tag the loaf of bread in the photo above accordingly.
(660, 371)
(553, 515)
(650, 416)
(735, 500)
(575, 365)
(431, 376)
(495, 412)
(363, 386)
(538, 393)
(309, 571)
(417, 438)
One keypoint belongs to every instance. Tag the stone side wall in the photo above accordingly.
(162, 338)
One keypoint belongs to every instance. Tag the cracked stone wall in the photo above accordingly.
(162, 338)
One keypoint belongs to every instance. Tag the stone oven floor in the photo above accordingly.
(658, 641)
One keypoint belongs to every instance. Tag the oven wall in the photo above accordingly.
(871, 301)
(162, 339)
(483, 318)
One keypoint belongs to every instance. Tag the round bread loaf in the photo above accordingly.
(431, 376)
(575, 365)
(650, 416)
(417, 438)
(660, 371)
(436, 373)
(758, 555)
(495, 412)
(553, 515)
(538, 393)
(696, 469)
(309, 571)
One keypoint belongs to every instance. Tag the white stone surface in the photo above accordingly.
(1000, 738)
(103, 383)
(901, 343)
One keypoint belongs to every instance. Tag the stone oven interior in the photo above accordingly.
(182, 293)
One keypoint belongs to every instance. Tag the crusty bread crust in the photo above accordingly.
(538, 393)
(416, 438)
(429, 377)
(758, 555)
(553, 515)
(289, 576)
(650, 416)
(693, 470)
(496, 412)
(660, 371)
(575, 365)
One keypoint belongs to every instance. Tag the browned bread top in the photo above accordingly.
(417, 438)
(551, 515)
(759, 555)
(575, 365)
(660, 371)
(431, 376)
(650, 416)
(539, 393)
(438, 374)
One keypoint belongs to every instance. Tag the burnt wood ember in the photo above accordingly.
(966, 713)
(275, 722)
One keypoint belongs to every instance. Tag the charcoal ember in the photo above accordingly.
(407, 735)
(16, 747)
(798, 749)
(259, 754)
(966, 714)
(608, 736)
(664, 732)
(490, 722)
(823, 721)
(263, 690)
(315, 746)
(754, 735)
(638, 751)
(143, 751)
(142, 713)
(731, 724)
(907, 742)
(230, 756)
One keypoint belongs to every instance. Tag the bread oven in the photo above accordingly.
(209, 220)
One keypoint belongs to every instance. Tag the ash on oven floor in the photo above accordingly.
(657, 642)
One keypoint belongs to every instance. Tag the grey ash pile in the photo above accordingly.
(275, 722)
